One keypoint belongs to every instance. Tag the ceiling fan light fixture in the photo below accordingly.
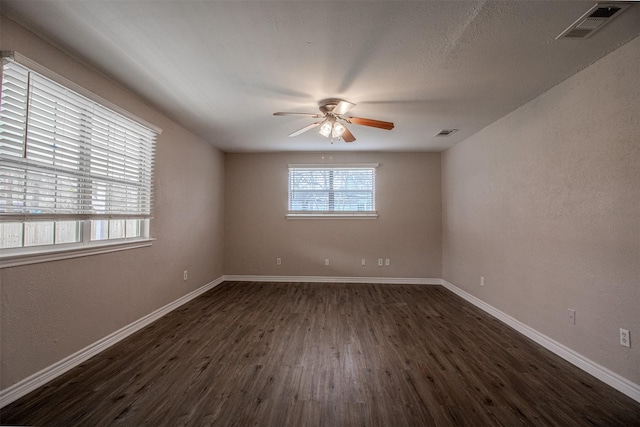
(338, 130)
(325, 129)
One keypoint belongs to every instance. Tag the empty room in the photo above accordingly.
(319, 213)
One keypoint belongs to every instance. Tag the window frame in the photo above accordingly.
(22, 255)
(333, 214)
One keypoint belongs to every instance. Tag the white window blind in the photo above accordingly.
(64, 155)
(335, 190)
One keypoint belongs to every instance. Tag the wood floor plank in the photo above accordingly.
(331, 354)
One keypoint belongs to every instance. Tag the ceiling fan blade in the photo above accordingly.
(304, 129)
(342, 107)
(314, 115)
(370, 122)
(347, 136)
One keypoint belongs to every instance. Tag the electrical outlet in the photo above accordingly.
(387, 261)
(625, 337)
(278, 261)
(326, 261)
(481, 280)
(380, 262)
(363, 262)
(572, 316)
(185, 275)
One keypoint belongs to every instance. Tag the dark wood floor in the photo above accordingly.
(274, 354)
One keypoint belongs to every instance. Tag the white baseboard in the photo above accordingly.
(42, 377)
(332, 279)
(608, 377)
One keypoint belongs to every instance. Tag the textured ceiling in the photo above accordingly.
(221, 68)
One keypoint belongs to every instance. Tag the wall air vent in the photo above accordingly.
(445, 132)
(594, 19)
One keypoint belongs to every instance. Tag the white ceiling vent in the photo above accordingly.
(445, 132)
(594, 19)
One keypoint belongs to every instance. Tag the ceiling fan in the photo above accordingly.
(332, 112)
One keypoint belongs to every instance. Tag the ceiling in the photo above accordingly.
(222, 68)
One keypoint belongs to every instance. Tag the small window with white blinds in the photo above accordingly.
(71, 169)
(332, 191)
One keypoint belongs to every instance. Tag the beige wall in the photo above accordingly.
(545, 204)
(408, 230)
(51, 310)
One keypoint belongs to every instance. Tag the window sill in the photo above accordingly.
(347, 215)
(37, 255)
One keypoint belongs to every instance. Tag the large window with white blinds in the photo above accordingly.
(332, 191)
(72, 171)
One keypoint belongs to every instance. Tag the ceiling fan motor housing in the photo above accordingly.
(328, 105)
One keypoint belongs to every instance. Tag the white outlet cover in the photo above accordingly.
(625, 338)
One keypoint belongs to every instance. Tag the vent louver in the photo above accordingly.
(445, 132)
(593, 20)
